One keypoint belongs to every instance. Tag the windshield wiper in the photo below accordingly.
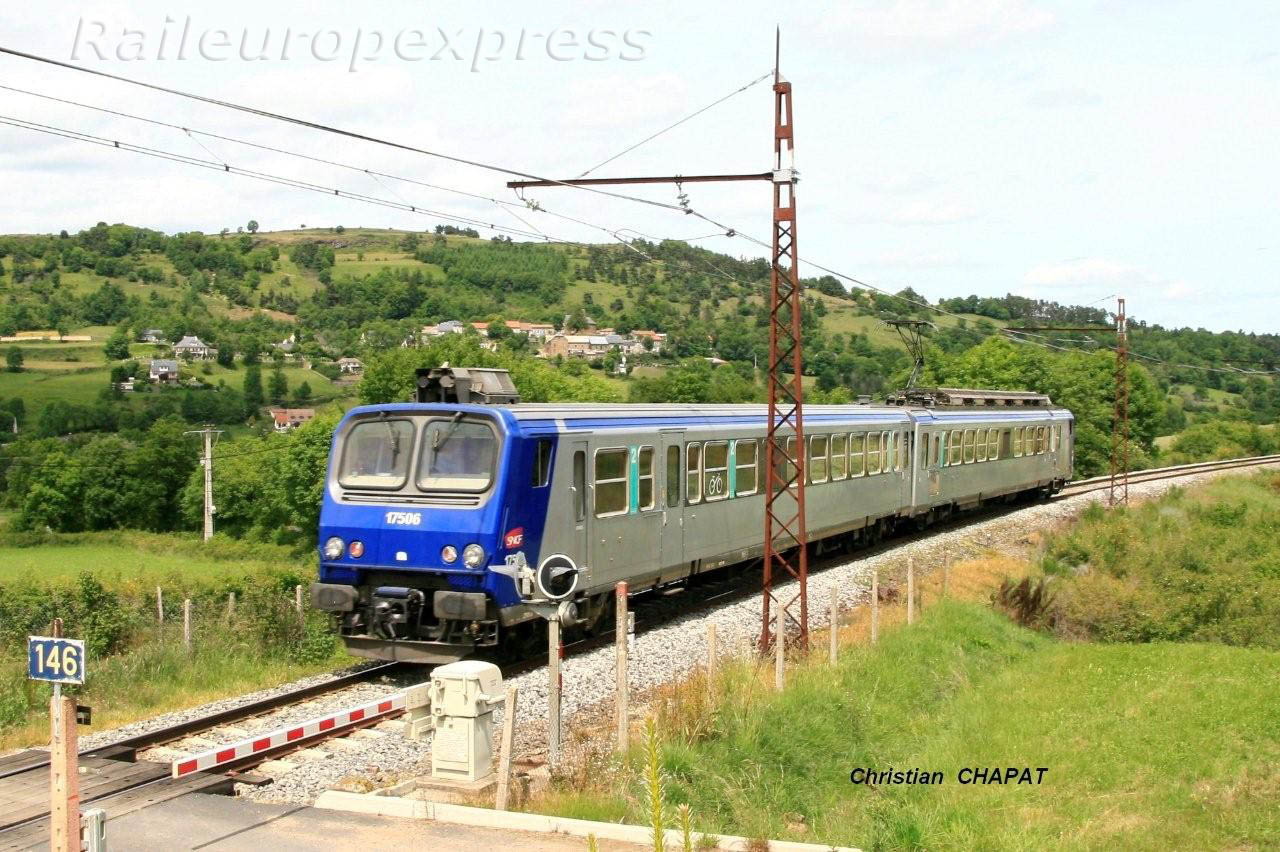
(439, 439)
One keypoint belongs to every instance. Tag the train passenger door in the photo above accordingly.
(671, 451)
(577, 546)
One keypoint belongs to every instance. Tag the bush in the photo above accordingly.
(1196, 565)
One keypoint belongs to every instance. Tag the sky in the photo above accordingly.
(1069, 151)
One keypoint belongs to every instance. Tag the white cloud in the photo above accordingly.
(1064, 99)
(1089, 273)
(908, 26)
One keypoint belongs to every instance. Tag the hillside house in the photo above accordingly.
(287, 419)
(194, 348)
(163, 371)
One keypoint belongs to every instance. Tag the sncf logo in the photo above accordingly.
(514, 538)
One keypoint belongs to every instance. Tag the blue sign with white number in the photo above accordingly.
(57, 660)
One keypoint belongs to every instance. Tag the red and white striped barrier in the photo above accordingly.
(321, 726)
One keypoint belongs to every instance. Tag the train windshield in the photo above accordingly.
(457, 455)
(376, 454)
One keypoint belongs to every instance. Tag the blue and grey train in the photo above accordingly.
(450, 523)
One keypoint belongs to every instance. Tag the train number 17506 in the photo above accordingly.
(407, 519)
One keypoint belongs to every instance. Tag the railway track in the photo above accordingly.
(1102, 483)
(654, 609)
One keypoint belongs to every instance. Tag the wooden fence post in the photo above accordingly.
(231, 605)
(297, 599)
(875, 605)
(508, 737)
(835, 622)
(160, 608)
(186, 623)
(911, 590)
(620, 654)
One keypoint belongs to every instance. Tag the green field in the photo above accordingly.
(1157, 746)
(125, 557)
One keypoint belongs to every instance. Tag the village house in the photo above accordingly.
(194, 348)
(163, 371)
(153, 335)
(576, 346)
(290, 418)
(353, 366)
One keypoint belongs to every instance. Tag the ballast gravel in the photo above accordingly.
(659, 655)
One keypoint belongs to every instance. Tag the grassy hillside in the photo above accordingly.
(1146, 746)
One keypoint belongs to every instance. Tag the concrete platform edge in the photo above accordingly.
(393, 806)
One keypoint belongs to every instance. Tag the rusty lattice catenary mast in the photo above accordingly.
(785, 536)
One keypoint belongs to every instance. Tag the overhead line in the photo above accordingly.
(314, 125)
(692, 115)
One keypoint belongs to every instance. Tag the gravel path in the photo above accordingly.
(659, 655)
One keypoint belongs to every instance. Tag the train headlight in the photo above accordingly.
(449, 554)
(356, 549)
(333, 548)
(473, 556)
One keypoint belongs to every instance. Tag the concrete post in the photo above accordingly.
(186, 624)
(779, 650)
(555, 684)
(875, 606)
(911, 590)
(835, 622)
(712, 653)
(508, 739)
(621, 695)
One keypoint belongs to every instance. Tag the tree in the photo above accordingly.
(252, 389)
(304, 392)
(117, 346)
(253, 226)
(279, 384)
(13, 359)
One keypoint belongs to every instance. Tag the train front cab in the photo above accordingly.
(415, 513)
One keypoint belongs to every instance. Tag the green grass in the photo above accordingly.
(1198, 564)
(128, 556)
(1147, 746)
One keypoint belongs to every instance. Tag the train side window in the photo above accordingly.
(645, 497)
(873, 452)
(1017, 442)
(1006, 443)
(611, 482)
(936, 456)
(673, 476)
(953, 447)
(541, 463)
(715, 470)
(744, 457)
(980, 447)
(968, 446)
(993, 444)
(1044, 439)
(818, 446)
(580, 485)
(1055, 435)
(904, 450)
(693, 473)
(858, 454)
(924, 450)
(839, 456)
(788, 464)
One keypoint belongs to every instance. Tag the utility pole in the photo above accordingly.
(786, 551)
(206, 461)
(1119, 482)
(1120, 427)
